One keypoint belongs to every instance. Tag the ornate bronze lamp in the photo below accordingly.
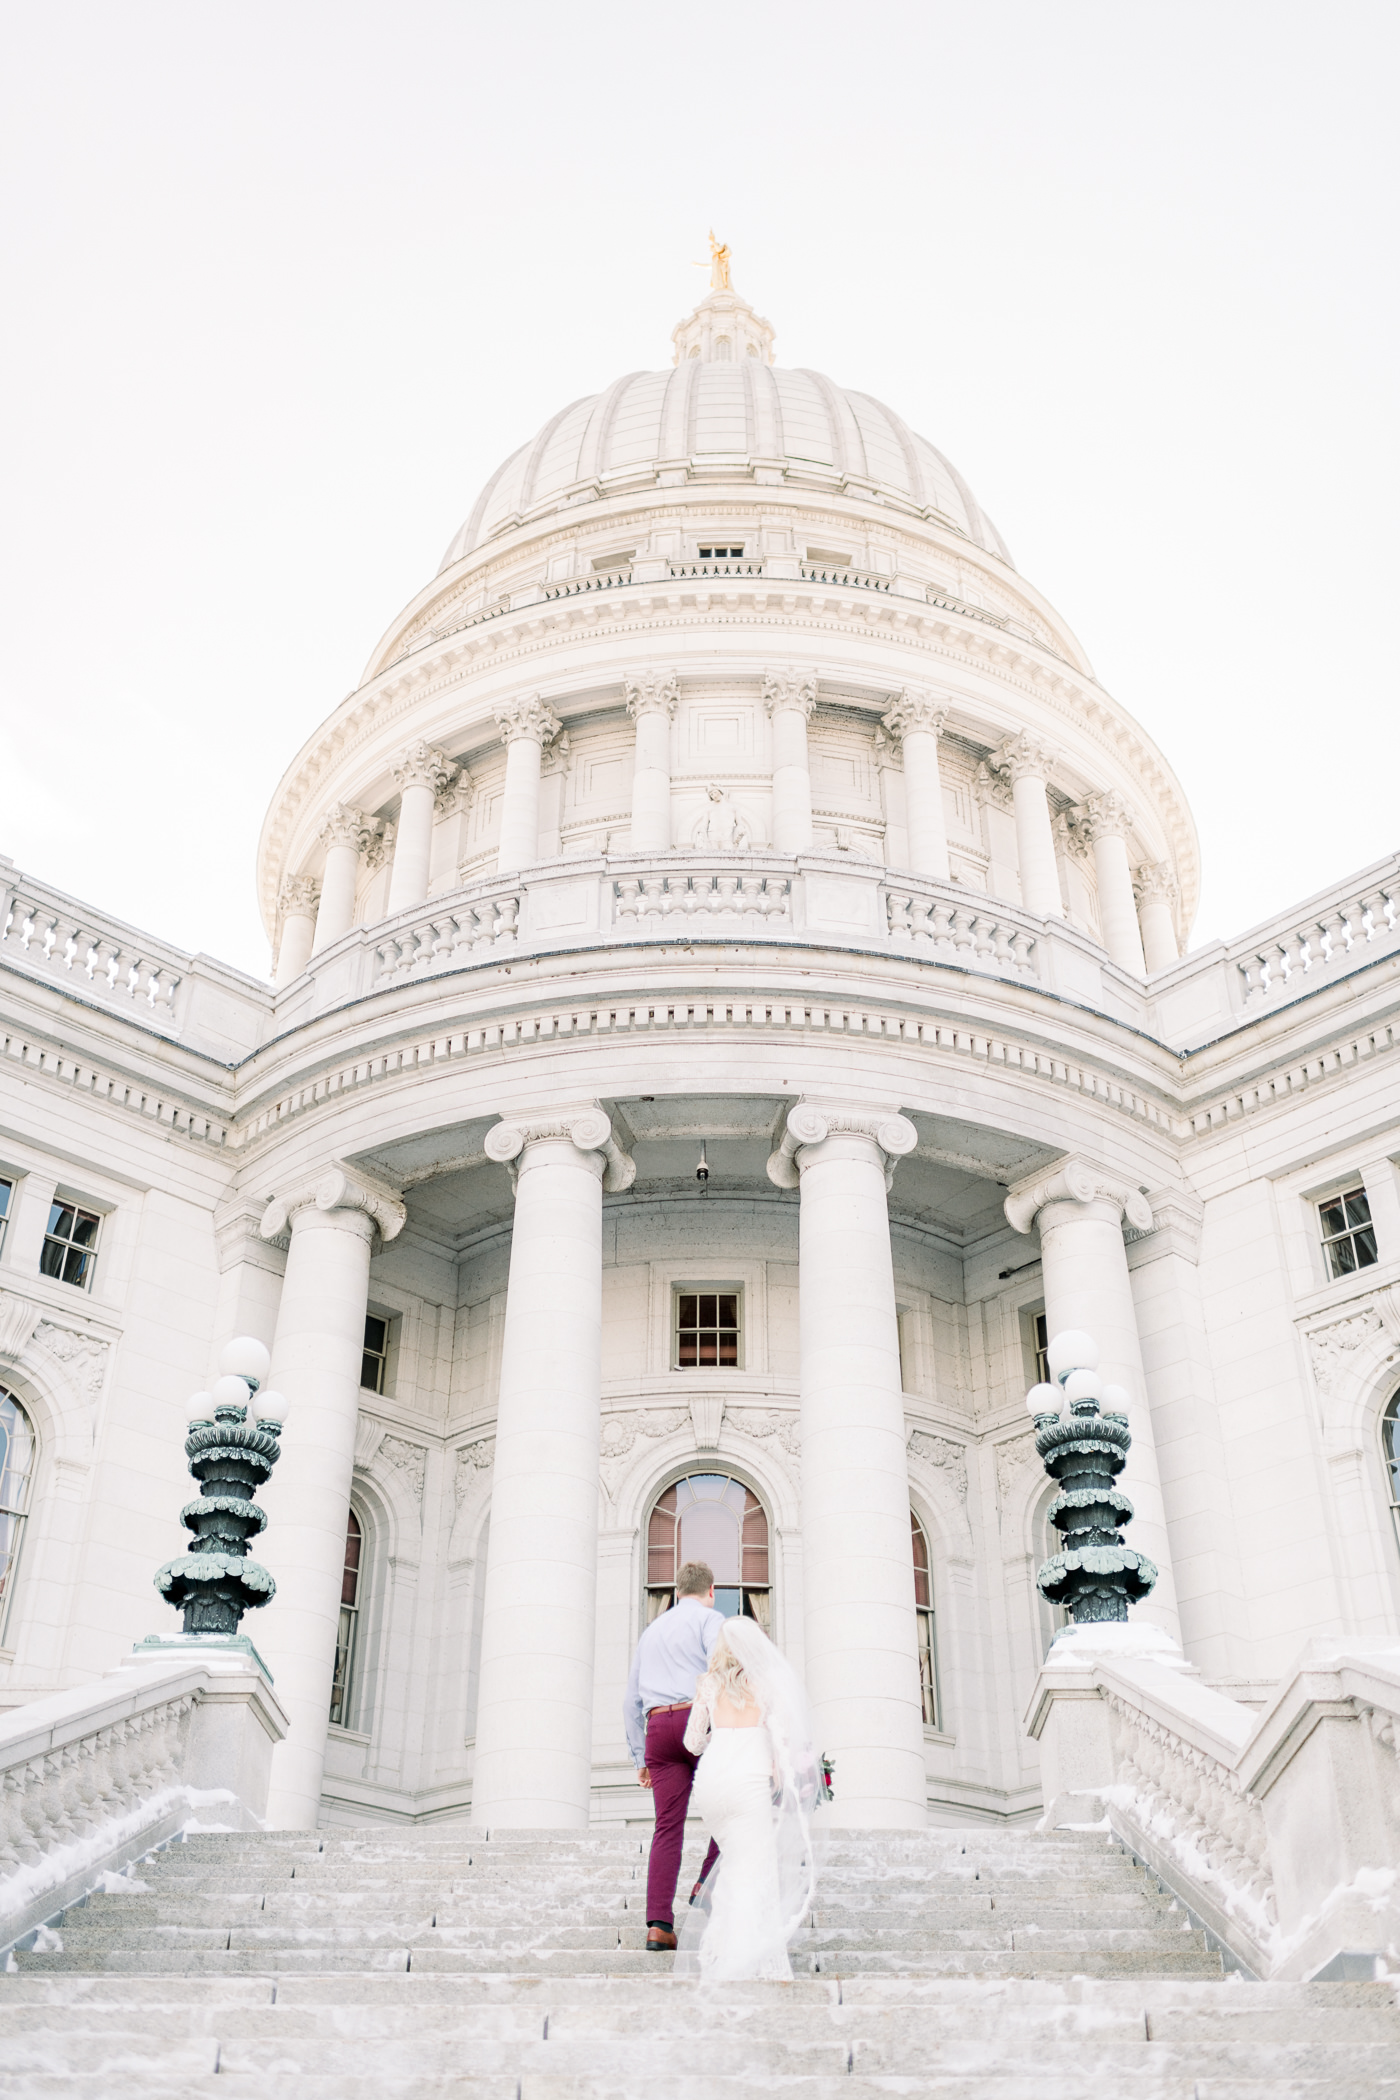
(1081, 1433)
(232, 1448)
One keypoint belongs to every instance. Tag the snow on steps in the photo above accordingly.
(411, 1965)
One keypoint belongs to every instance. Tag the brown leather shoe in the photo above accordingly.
(660, 1941)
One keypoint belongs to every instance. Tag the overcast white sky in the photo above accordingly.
(285, 282)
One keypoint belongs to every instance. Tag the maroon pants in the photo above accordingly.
(672, 1770)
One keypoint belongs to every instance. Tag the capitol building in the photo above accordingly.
(731, 1004)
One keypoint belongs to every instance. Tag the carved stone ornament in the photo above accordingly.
(1334, 1346)
(83, 1354)
(1075, 1180)
(941, 1451)
(528, 717)
(588, 1128)
(790, 689)
(807, 1125)
(1104, 815)
(992, 788)
(379, 845)
(1014, 1457)
(1024, 758)
(720, 826)
(473, 1458)
(298, 898)
(763, 1423)
(18, 1319)
(915, 709)
(419, 765)
(409, 1459)
(620, 1433)
(1070, 836)
(344, 826)
(337, 1187)
(1156, 879)
(651, 693)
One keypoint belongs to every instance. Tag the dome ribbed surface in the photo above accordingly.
(703, 416)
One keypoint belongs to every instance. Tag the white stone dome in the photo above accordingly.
(724, 409)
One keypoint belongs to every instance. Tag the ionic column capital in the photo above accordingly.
(527, 719)
(915, 709)
(344, 826)
(588, 1128)
(420, 765)
(1024, 758)
(796, 690)
(651, 693)
(1105, 814)
(810, 1124)
(336, 1187)
(1076, 1180)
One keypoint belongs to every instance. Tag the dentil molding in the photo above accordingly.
(1075, 1180)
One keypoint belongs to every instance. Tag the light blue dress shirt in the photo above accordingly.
(673, 1652)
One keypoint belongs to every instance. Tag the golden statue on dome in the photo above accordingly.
(719, 264)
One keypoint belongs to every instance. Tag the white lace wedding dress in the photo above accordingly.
(754, 1790)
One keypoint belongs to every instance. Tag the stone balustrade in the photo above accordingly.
(701, 902)
(89, 952)
(92, 1778)
(1338, 932)
(979, 935)
(472, 927)
(1280, 1829)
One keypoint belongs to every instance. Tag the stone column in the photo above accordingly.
(652, 697)
(1078, 1210)
(297, 908)
(527, 725)
(1028, 765)
(422, 774)
(917, 719)
(343, 835)
(1107, 819)
(789, 698)
(1156, 904)
(860, 1639)
(534, 1722)
(316, 1356)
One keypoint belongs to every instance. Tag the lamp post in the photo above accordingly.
(1081, 1433)
(232, 1448)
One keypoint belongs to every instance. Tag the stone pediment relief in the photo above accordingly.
(24, 1328)
(472, 1460)
(1348, 1347)
(941, 1451)
(620, 1433)
(763, 1423)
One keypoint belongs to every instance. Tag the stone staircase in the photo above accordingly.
(438, 1965)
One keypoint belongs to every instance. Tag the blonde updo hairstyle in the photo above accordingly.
(727, 1677)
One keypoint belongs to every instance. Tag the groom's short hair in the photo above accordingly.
(694, 1580)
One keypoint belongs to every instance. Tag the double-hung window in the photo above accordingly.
(374, 1368)
(1348, 1236)
(70, 1244)
(7, 1198)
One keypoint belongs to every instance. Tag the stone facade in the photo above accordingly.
(729, 787)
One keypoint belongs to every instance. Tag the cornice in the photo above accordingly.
(532, 631)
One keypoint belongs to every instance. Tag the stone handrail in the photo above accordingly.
(1334, 932)
(88, 951)
(1280, 1830)
(92, 1778)
(688, 894)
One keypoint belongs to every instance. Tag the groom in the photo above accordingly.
(671, 1654)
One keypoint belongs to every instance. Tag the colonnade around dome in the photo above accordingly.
(801, 838)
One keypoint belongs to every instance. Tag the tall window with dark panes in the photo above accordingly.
(714, 1518)
(7, 1197)
(923, 1611)
(1390, 1452)
(707, 1330)
(1040, 1332)
(376, 1357)
(1348, 1236)
(70, 1245)
(16, 1473)
(347, 1632)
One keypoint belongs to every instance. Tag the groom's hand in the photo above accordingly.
(643, 1776)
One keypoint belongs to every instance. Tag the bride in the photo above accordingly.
(754, 1792)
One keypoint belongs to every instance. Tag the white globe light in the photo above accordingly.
(230, 1392)
(1115, 1400)
(200, 1407)
(1083, 1385)
(1072, 1351)
(245, 1357)
(270, 1406)
(1042, 1400)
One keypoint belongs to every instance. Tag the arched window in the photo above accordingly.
(714, 1518)
(923, 1610)
(346, 1640)
(1390, 1451)
(16, 1472)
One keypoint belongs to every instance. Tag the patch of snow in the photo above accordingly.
(64, 1863)
(120, 1885)
(46, 1940)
